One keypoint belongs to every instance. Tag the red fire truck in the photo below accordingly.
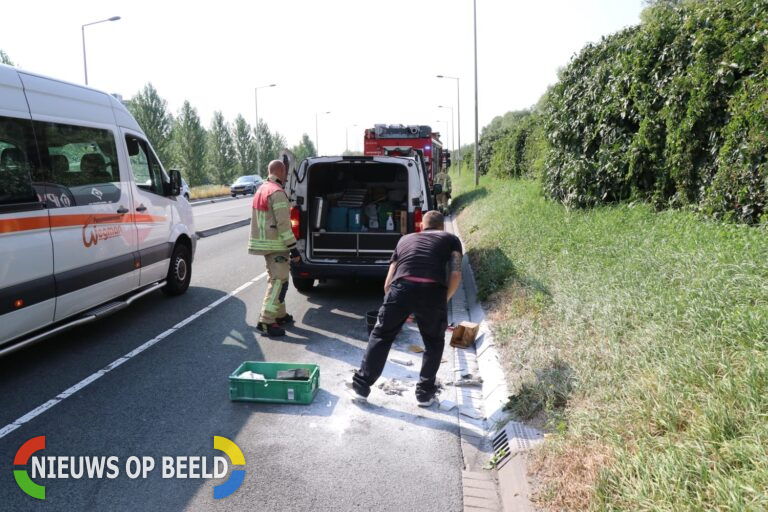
(398, 139)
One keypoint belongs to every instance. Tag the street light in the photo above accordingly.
(346, 136)
(82, 29)
(458, 115)
(317, 139)
(477, 148)
(256, 129)
(453, 139)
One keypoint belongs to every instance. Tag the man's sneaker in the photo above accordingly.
(287, 319)
(425, 402)
(353, 395)
(270, 329)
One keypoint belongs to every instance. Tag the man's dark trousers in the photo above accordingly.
(428, 303)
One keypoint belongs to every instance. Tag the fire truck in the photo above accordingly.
(401, 140)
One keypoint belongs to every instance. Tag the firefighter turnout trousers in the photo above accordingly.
(278, 269)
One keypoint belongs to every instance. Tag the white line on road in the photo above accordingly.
(114, 364)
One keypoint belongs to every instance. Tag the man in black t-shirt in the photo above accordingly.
(424, 273)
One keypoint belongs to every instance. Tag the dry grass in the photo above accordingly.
(568, 474)
(207, 191)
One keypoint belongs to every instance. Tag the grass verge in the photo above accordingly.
(659, 321)
(206, 191)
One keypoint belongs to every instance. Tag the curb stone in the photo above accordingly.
(483, 489)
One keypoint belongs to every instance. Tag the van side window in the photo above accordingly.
(18, 164)
(146, 168)
(83, 163)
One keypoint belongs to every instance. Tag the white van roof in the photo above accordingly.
(50, 98)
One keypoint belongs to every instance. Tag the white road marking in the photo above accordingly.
(114, 364)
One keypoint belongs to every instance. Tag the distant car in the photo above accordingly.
(245, 185)
(184, 189)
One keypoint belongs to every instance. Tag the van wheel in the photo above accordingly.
(180, 271)
(303, 284)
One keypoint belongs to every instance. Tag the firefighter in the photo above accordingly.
(443, 179)
(272, 237)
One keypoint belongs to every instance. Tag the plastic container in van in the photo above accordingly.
(337, 219)
(355, 219)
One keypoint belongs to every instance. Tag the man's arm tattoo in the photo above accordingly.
(455, 263)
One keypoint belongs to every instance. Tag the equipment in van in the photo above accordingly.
(372, 202)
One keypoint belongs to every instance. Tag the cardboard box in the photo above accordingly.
(464, 334)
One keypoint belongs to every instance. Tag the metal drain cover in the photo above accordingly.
(515, 437)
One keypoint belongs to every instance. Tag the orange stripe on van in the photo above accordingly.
(23, 224)
(65, 221)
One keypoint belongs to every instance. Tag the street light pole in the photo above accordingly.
(477, 147)
(346, 136)
(82, 29)
(317, 137)
(256, 129)
(453, 138)
(458, 114)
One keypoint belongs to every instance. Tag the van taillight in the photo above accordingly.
(295, 221)
(417, 220)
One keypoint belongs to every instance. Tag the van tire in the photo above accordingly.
(179, 272)
(303, 284)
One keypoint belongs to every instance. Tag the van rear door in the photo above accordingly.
(27, 290)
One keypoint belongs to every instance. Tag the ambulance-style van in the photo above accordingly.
(89, 219)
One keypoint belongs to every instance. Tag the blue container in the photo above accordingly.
(355, 218)
(337, 219)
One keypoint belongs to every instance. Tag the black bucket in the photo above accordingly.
(370, 318)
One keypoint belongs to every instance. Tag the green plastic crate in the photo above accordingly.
(274, 390)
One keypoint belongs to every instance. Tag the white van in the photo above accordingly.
(89, 219)
(349, 212)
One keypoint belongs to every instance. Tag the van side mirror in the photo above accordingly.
(175, 185)
(437, 188)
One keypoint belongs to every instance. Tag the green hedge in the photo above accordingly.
(673, 111)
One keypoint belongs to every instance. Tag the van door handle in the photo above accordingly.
(122, 210)
(141, 208)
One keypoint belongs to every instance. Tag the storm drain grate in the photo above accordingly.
(515, 437)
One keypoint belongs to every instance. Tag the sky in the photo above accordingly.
(364, 62)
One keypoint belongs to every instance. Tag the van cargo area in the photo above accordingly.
(357, 210)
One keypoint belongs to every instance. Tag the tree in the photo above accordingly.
(189, 141)
(221, 151)
(151, 112)
(269, 145)
(305, 148)
(245, 148)
(5, 59)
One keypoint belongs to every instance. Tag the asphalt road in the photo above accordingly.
(170, 398)
(219, 213)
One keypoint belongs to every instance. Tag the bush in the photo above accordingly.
(672, 111)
